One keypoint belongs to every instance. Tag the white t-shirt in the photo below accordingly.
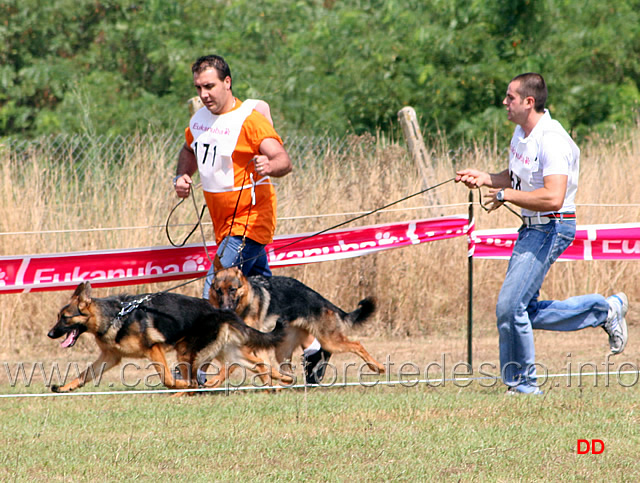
(546, 151)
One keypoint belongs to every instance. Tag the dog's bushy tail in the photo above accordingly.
(366, 308)
(264, 340)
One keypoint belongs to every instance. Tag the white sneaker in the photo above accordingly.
(616, 325)
(514, 391)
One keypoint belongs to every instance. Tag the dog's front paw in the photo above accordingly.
(60, 389)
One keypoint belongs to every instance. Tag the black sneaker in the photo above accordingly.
(315, 366)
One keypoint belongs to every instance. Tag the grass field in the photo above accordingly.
(446, 430)
(454, 430)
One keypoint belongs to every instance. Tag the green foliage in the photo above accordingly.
(325, 66)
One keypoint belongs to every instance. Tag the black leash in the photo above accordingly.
(353, 219)
(130, 306)
(487, 209)
(166, 226)
(369, 213)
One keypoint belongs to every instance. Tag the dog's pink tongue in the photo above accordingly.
(70, 339)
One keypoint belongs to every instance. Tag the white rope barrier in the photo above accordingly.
(285, 218)
(229, 389)
(147, 227)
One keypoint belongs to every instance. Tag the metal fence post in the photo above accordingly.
(470, 291)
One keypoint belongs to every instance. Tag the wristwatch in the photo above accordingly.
(500, 195)
(175, 180)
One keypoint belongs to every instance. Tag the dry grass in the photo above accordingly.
(422, 290)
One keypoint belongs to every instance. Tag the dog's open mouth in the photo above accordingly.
(70, 339)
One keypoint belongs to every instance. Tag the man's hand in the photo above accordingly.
(493, 203)
(262, 164)
(473, 178)
(273, 160)
(183, 186)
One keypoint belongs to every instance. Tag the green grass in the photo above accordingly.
(337, 434)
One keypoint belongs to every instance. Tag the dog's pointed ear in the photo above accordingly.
(213, 300)
(80, 289)
(83, 292)
(217, 264)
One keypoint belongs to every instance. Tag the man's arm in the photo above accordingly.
(548, 198)
(187, 165)
(474, 178)
(273, 159)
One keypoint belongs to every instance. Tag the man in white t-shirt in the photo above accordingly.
(542, 180)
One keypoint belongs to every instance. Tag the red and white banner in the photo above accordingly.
(592, 242)
(107, 268)
(62, 271)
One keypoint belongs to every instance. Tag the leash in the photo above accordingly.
(368, 213)
(300, 239)
(166, 226)
(487, 209)
(197, 225)
(199, 222)
(128, 307)
(235, 212)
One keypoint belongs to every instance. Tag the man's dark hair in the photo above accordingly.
(532, 85)
(212, 62)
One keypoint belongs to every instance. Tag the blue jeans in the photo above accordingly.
(252, 260)
(519, 311)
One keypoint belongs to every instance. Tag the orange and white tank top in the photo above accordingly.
(214, 140)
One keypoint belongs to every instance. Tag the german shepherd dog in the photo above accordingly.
(146, 326)
(261, 302)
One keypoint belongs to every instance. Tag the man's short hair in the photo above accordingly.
(212, 62)
(532, 85)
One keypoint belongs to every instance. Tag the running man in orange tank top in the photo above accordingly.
(236, 150)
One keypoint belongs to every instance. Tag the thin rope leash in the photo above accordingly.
(199, 224)
(487, 209)
(368, 213)
(166, 225)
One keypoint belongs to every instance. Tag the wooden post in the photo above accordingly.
(418, 151)
(194, 104)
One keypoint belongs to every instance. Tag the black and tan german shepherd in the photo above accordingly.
(262, 302)
(146, 326)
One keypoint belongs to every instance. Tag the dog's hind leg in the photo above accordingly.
(343, 344)
(105, 362)
(249, 360)
(266, 372)
(221, 376)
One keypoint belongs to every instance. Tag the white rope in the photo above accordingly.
(300, 217)
(147, 227)
(404, 383)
